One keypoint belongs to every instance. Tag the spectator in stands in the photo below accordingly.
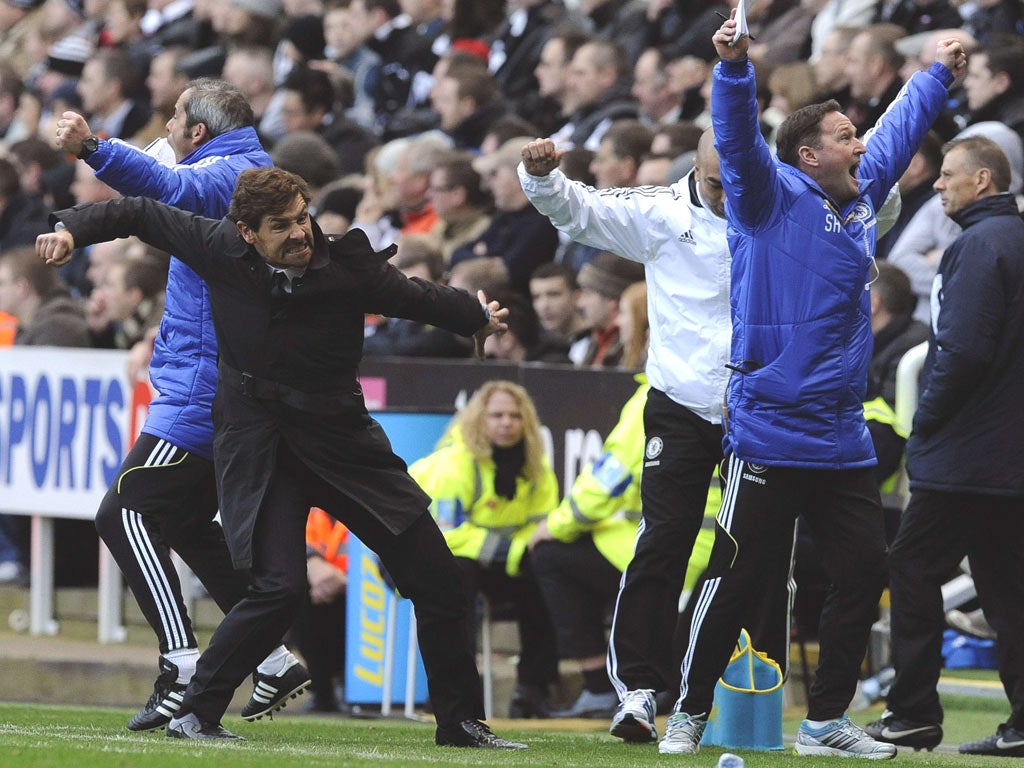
(109, 78)
(602, 281)
(132, 293)
(22, 216)
(480, 273)
(518, 234)
(504, 128)
(165, 83)
(619, 153)
(417, 257)
(524, 342)
(995, 84)
(551, 72)
(335, 208)
(168, 23)
(415, 163)
(659, 94)
(488, 481)
(345, 49)
(515, 49)
(684, 27)
(619, 20)
(377, 213)
(596, 94)
(872, 70)
(894, 328)
(86, 188)
(829, 64)
(553, 291)
(676, 138)
(11, 89)
(467, 102)
(835, 13)
(307, 154)
(917, 16)
(462, 205)
(634, 326)
(309, 103)
(992, 18)
(250, 68)
(17, 18)
(963, 457)
(915, 187)
(45, 311)
(782, 29)
(44, 172)
(404, 54)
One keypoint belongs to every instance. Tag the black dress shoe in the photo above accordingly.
(529, 701)
(472, 733)
(191, 727)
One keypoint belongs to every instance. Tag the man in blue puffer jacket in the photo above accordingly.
(165, 494)
(802, 236)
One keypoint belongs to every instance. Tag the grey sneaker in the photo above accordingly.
(634, 720)
(682, 734)
(595, 706)
(841, 738)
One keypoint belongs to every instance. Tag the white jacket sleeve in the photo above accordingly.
(620, 220)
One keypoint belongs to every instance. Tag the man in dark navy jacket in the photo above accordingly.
(965, 457)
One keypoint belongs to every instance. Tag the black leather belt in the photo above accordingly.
(345, 397)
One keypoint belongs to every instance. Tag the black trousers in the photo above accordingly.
(165, 498)
(418, 559)
(538, 655)
(579, 586)
(936, 531)
(753, 552)
(319, 635)
(682, 453)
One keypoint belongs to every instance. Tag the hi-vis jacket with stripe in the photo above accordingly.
(478, 523)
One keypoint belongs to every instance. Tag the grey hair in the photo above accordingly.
(220, 106)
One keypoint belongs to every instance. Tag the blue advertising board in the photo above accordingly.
(412, 435)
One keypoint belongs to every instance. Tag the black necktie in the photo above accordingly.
(278, 285)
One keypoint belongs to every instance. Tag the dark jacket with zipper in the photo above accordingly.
(289, 362)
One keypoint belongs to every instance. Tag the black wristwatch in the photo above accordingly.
(89, 145)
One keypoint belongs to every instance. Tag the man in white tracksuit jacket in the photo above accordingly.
(678, 233)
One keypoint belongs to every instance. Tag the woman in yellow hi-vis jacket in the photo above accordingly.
(490, 482)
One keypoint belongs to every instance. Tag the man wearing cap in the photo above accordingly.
(518, 234)
(601, 283)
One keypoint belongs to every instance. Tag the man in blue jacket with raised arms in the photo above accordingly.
(802, 236)
(165, 494)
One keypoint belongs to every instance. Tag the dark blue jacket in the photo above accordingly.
(184, 365)
(968, 428)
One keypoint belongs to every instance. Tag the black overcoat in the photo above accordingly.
(288, 363)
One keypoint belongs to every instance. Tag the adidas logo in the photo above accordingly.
(688, 238)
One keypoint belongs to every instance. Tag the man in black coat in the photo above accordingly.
(965, 457)
(292, 430)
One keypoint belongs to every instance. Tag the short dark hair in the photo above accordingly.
(417, 249)
(313, 86)
(218, 105)
(522, 318)
(982, 152)
(551, 269)
(802, 128)
(24, 264)
(146, 273)
(629, 138)
(894, 291)
(1006, 54)
(459, 172)
(264, 191)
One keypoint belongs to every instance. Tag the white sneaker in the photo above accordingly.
(682, 734)
(841, 738)
(634, 720)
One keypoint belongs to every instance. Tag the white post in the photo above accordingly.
(41, 620)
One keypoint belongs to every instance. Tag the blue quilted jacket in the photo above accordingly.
(184, 366)
(801, 339)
